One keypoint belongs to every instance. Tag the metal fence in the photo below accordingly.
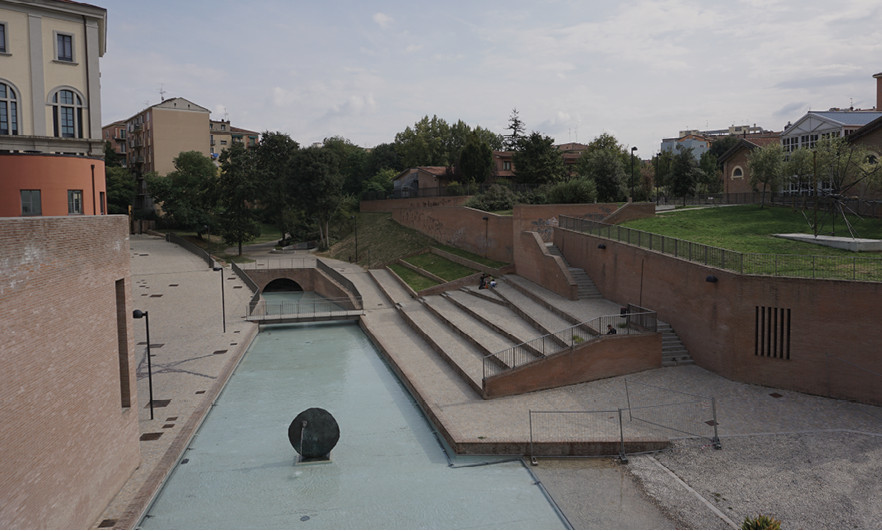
(778, 265)
(651, 413)
(282, 262)
(627, 322)
(313, 306)
(190, 246)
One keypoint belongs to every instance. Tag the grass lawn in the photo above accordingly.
(470, 256)
(413, 279)
(749, 228)
(438, 265)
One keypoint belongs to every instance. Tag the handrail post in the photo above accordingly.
(622, 457)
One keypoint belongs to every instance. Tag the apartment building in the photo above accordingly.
(51, 150)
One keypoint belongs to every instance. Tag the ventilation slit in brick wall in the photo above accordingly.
(772, 332)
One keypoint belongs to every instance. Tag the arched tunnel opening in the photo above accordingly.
(282, 284)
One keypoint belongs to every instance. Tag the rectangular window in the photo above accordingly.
(67, 121)
(506, 165)
(101, 201)
(64, 47)
(74, 201)
(772, 332)
(4, 48)
(30, 203)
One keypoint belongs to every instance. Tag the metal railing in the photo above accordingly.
(317, 306)
(627, 322)
(282, 262)
(834, 267)
(652, 413)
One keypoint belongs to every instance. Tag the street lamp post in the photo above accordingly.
(137, 314)
(486, 223)
(355, 220)
(633, 149)
(223, 303)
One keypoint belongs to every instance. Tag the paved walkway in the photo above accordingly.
(195, 359)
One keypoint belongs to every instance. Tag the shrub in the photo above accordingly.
(581, 190)
(496, 197)
(761, 522)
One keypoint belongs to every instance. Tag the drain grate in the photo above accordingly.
(171, 419)
(237, 287)
(775, 395)
(160, 403)
(220, 351)
(173, 285)
(167, 426)
(157, 295)
(711, 423)
(200, 392)
(107, 523)
(151, 436)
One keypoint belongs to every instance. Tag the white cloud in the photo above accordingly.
(383, 20)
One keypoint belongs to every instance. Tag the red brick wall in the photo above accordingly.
(543, 219)
(462, 227)
(834, 333)
(602, 358)
(66, 442)
(388, 205)
(533, 262)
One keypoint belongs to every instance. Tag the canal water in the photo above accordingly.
(388, 471)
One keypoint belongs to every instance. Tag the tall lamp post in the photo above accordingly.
(486, 223)
(223, 303)
(355, 220)
(633, 181)
(137, 314)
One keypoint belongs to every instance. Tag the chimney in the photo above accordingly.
(878, 91)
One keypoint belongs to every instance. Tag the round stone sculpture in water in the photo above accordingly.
(314, 433)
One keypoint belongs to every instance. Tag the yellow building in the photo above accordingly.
(158, 134)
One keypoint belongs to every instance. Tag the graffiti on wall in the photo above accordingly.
(545, 227)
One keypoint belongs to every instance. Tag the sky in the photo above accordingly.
(640, 70)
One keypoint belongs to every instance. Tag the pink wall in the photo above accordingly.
(53, 175)
(462, 227)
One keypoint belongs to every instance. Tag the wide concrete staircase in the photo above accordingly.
(467, 325)
(587, 289)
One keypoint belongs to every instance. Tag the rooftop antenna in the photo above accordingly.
(161, 93)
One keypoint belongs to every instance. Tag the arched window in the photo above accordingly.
(67, 114)
(737, 173)
(8, 110)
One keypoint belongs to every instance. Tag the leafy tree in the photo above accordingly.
(579, 190)
(603, 165)
(844, 165)
(488, 137)
(538, 161)
(383, 157)
(475, 160)
(662, 166)
(799, 169)
(121, 189)
(426, 144)
(112, 159)
(380, 183)
(710, 175)
(766, 165)
(317, 178)
(608, 142)
(352, 161)
(273, 158)
(684, 174)
(186, 193)
(718, 147)
(237, 189)
(496, 198)
(516, 131)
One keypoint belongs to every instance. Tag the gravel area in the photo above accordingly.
(816, 480)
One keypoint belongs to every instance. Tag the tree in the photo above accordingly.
(426, 144)
(662, 166)
(516, 131)
(273, 158)
(684, 174)
(236, 192)
(710, 174)
(766, 166)
(380, 183)
(538, 161)
(799, 170)
(579, 190)
(112, 159)
(120, 189)
(352, 161)
(383, 157)
(475, 160)
(320, 186)
(186, 194)
(603, 165)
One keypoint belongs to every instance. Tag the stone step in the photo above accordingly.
(540, 317)
(458, 352)
(487, 340)
(501, 318)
